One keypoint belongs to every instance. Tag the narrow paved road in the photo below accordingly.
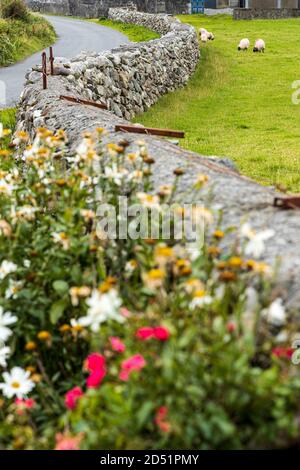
(74, 36)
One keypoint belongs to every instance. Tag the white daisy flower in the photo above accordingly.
(256, 246)
(115, 174)
(6, 268)
(16, 383)
(201, 301)
(6, 318)
(62, 238)
(4, 354)
(13, 288)
(5, 187)
(102, 307)
(276, 314)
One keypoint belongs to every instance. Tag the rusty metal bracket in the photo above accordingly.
(44, 70)
(291, 202)
(73, 99)
(51, 60)
(150, 131)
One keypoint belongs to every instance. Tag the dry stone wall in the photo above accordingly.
(239, 198)
(132, 78)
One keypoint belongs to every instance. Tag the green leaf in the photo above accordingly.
(61, 287)
(57, 310)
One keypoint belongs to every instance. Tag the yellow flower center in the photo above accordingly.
(15, 385)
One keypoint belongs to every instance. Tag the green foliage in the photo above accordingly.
(14, 10)
(19, 38)
(239, 104)
(135, 33)
(209, 379)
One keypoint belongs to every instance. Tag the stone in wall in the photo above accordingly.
(236, 196)
(132, 78)
(97, 8)
(260, 13)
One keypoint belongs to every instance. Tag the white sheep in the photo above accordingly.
(259, 46)
(204, 37)
(210, 36)
(202, 30)
(244, 44)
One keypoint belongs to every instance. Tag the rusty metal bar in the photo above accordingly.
(44, 70)
(51, 60)
(149, 130)
(291, 202)
(73, 99)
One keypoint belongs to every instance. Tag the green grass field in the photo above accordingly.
(238, 104)
(134, 32)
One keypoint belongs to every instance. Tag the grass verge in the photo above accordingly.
(20, 39)
(134, 32)
(238, 104)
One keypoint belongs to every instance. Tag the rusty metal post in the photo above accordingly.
(51, 60)
(44, 70)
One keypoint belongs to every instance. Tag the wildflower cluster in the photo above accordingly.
(131, 343)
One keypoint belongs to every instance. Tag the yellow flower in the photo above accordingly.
(115, 148)
(165, 190)
(64, 328)
(100, 130)
(131, 265)
(235, 262)
(201, 180)
(219, 234)
(199, 293)
(44, 335)
(213, 250)
(154, 278)
(30, 369)
(148, 200)
(36, 378)
(30, 346)
(182, 267)
(22, 135)
(107, 284)
(5, 228)
(163, 254)
(193, 284)
(202, 214)
(5, 153)
(227, 276)
(132, 157)
(77, 292)
(87, 214)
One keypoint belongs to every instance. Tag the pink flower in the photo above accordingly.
(134, 363)
(161, 333)
(231, 327)
(145, 333)
(95, 363)
(72, 396)
(67, 442)
(125, 312)
(161, 419)
(24, 403)
(282, 352)
(117, 344)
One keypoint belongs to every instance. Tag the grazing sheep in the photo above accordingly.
(244, 44)
(202, 30)
(210, 36)
(259, 46)
(204, 37)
